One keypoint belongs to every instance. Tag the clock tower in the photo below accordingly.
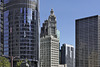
(49, 43)
(49, 26)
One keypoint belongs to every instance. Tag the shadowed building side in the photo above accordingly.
(1, 29)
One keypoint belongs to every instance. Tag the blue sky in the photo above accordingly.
(66, 12)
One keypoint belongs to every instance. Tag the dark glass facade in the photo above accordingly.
(1, 27)
(21, 29)
(88, 42)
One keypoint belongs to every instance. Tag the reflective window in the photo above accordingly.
(21, 10)
(6, 33)
(6, 1)
(24, 15)
(34, 0)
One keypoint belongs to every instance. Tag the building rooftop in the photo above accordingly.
(88, 17)
(68, 45)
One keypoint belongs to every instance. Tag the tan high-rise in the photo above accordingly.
(49, 43)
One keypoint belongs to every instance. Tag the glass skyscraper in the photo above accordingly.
(88, 42)
(1, 27)
(21, 29)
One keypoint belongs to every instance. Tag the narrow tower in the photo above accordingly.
(49, 43)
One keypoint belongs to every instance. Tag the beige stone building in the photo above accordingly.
(63, 65)
(49, 43)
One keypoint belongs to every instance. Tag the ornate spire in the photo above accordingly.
(52, 12)
(52, 16)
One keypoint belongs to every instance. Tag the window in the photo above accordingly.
(6, 1)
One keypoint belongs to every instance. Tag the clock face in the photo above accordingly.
(53, 24)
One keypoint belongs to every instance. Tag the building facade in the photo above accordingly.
(63, 65)
(1, 28)
(58, 34)
(67, 55)
(21, 29)
(88, 42)
(49, 43)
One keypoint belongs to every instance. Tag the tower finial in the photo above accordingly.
(52, 12)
